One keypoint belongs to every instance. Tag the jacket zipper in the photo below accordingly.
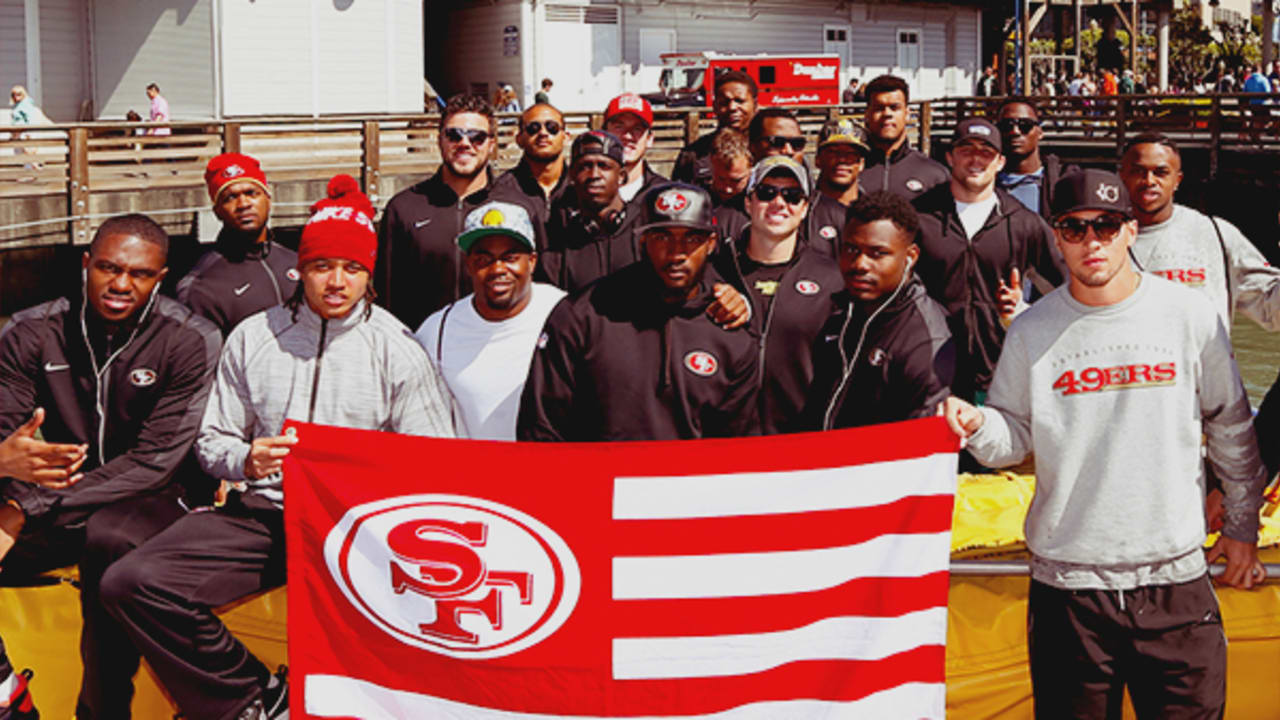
(271, 276)
(101, 383)
(315, 379)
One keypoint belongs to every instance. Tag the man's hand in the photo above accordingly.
(266, 456)
(730, 309)
(1009, 296)
(1215, 515)
(1243, 569)
(11, 522)
(50, 465)
(963, 418)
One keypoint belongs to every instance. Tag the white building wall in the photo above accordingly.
(298, 57)
(170, 44)
(63, 62)
(13, 51)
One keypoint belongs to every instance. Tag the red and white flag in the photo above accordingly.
(798, 576)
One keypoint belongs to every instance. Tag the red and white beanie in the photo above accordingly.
(341, 226)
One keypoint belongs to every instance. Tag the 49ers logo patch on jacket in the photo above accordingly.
(701, 363)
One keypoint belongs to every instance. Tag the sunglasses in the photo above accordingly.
(766, 193)
(477, 137)
(778, 142)
(1105, 228)
(535, 127)
(1024, 125)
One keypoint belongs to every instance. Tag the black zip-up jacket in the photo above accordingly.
(420, 268)
(693, 164)
(615, 362)
(905, 172)
(786, 331)
(583, 249)
(731, 217)
(825, 223)
(236, 279)
(519, 186)
(964, 275)
(900, 370)
(137, 399)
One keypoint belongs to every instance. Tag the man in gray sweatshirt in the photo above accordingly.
(1111, 380)
(327, 356)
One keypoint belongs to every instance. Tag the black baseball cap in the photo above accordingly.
(1090, 189)
(980, 129)
(596, 142)
(677, 204)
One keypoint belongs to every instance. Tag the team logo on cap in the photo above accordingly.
(233, 171)
(142, 377)
(292, 274)
(876, 357)
(807, 287)
(979, 130)
(828, 232)
(630, 101)
(671, 202)
(915, 185)
(701, 363)
(459, 576)
(1108, 193)
(493, 218)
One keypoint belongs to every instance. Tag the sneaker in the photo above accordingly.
(275, 698)
(21, 707)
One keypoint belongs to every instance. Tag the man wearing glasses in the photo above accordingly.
(976, 245)
(540, 175)
(420, 269)
(790, 284)
(776, 131)
(1028, 176)
(635, 356)
(1110, 381)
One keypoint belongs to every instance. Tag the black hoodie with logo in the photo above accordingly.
(616, 362)
(582, 249)
(237, 279)
(135, 398)
(905, 172)
(802, 300)
(885, 364)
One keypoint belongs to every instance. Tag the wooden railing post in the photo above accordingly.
(691, 127)
(597, 121)
(1215, 134)
(78, 185)
(926, 127)
(370, 159)
(231, 137)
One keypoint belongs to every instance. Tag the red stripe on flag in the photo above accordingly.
(864, 597)
(831, 680)
(783, 532)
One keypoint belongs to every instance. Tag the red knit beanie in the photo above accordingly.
(229, 168)
(341, 226)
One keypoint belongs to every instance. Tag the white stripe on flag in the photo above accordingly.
(343, 697)
(778, 573)
(837, 638)
(792, 491)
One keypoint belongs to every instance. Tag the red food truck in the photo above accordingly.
(688, 79)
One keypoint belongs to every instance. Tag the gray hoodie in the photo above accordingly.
(1113, 401)
(353, 372)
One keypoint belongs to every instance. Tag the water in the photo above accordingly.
(1258, 354)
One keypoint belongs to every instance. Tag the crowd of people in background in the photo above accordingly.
(1244, 78)
(582, 296)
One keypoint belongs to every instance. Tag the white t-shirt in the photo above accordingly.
(974, 215)
(628, 192)
(484, 362)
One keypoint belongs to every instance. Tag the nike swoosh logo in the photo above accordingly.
(50, 367)
(422, 223)
(240, 290)
(831, 338)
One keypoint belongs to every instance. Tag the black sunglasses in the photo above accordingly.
(1024, 125)
(779, 142)
(535, 127)
(766, 193)
(1105, 228)
(477, 137)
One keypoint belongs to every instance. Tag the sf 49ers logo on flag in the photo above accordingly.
(459, 576)
(671, 202)
(701, 363)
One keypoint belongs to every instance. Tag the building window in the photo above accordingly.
(837, 35)
(909, 49)
(768, 75)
